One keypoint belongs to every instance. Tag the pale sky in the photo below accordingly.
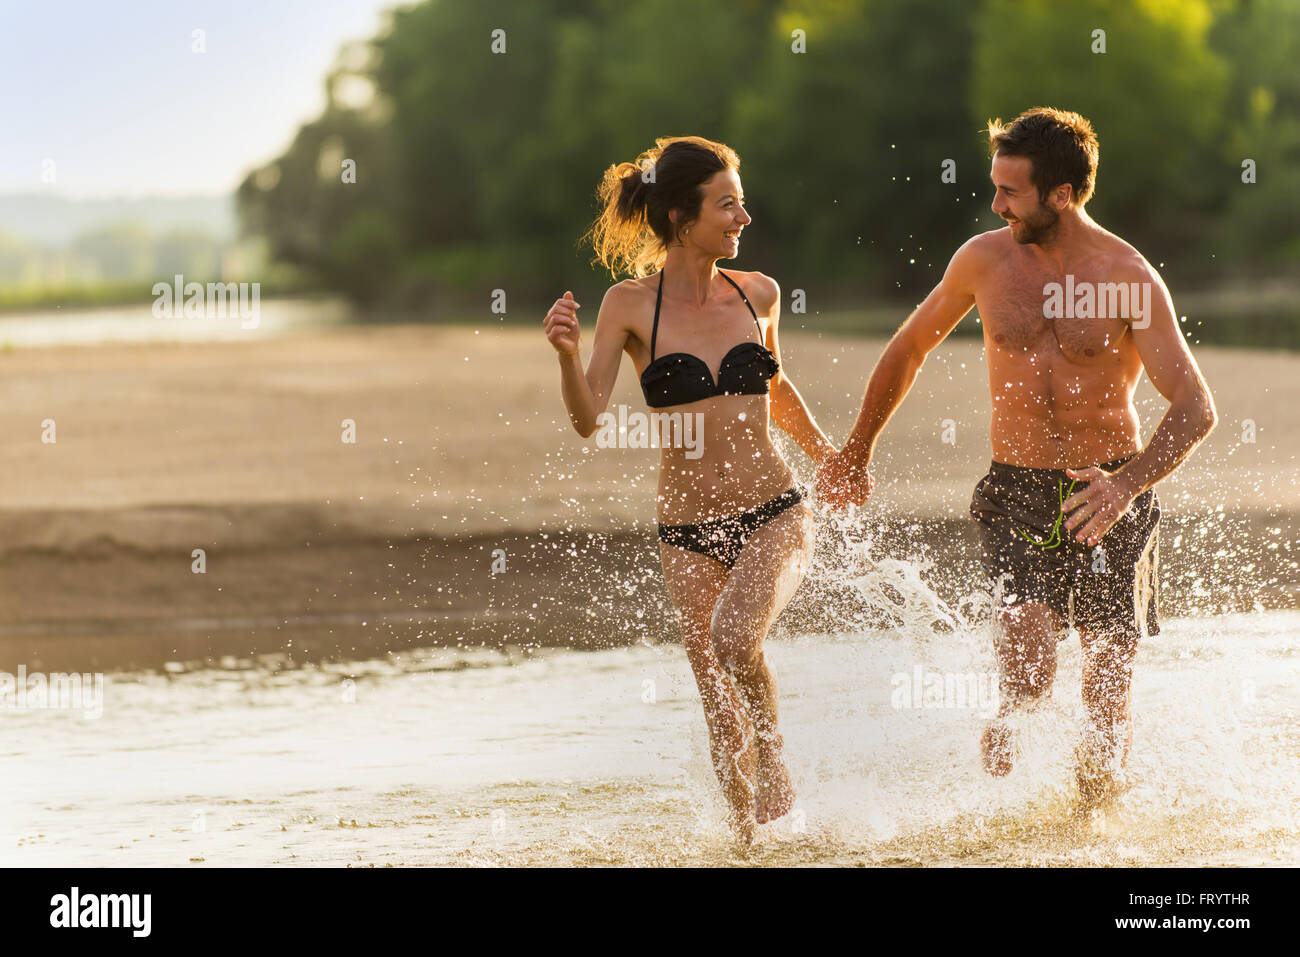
(111, 92)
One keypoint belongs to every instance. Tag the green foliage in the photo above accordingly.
(116, 252)
(846, 142)
(1259, 225)
(363, 251)
(477, 169)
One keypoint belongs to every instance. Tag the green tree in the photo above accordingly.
(321, 202)
(848, 142)
(1259, 231)
(119, 251)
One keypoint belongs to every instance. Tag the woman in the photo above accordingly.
(735, 534)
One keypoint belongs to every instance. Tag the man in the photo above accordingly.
(1067, 514)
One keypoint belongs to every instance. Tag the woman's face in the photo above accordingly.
(722, 216)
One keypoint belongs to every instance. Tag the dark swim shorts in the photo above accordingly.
(1113, 586)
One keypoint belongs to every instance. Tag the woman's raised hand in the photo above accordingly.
(562, 325)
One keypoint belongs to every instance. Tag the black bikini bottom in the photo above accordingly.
(722, 538)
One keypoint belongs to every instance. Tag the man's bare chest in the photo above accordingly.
(1084, 314)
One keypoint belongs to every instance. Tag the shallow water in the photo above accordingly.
(446, 756)
(135, 322)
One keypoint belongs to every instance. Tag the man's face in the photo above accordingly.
(1015, 199)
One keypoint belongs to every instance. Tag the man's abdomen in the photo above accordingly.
(1050, 443)
(1049, 412)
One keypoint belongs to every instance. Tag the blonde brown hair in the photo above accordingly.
(633, 231)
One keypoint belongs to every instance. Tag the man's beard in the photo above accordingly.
(1038, 228)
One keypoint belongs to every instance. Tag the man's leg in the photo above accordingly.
(1026, 649)
(1114, 606)
(1108, 735)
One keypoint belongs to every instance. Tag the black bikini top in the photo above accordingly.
(678, 378)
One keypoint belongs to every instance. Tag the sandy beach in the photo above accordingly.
(316, 545)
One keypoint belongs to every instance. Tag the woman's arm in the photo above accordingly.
(586, 395)
(788, 408)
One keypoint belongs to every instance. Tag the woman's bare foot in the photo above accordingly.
(998, 745)
(736, 774)
(743, 826)
(774, 796)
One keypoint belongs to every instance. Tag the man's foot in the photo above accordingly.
(1097, 775)
(998, 745)
(774, 795)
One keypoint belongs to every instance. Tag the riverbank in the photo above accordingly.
(315, 546)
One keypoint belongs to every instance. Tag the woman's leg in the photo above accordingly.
(694, 582)
(764, 579)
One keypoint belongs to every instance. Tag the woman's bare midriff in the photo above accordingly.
(739, 467)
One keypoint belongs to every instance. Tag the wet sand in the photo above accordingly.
(319, 547)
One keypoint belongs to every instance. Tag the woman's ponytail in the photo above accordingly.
(633, 230)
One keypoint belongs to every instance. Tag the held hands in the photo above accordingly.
(561, 325)
(844, 480)
(1098, 505)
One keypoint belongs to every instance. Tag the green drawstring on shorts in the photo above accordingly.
(1054, 539)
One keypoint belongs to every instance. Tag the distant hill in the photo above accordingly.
(53, 220)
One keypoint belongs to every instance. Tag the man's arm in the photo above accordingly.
(897, 368)
(1189, 419)
(1174, 372)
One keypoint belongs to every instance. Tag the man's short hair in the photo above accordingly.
(1060, 145)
